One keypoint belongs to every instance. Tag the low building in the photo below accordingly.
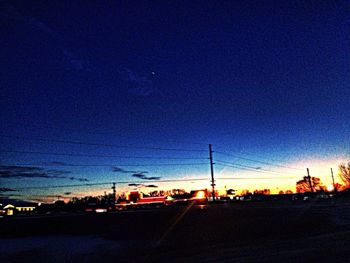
(11, 207)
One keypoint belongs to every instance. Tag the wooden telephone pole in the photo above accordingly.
(212, 171)
(334, 189)
(310, 181)
(114, 193)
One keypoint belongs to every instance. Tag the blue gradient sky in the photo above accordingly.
(267, 80)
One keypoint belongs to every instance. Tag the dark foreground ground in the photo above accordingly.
(244, 232)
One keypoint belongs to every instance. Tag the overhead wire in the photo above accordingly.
(103, 156)
(252, 168)
(258, 161)
(101, 165)
(139, 182)
(218, 162)
(100, 144)
(96, 132)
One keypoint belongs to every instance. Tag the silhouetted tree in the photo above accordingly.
(106, 199)
(245, 192)
(344, 173)
(262, 192)
(154, 193)
(303, 185)
(121, 198)
(339, 187)
(60, 205)
(178, 192)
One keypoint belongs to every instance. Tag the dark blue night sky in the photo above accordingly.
(267, 80)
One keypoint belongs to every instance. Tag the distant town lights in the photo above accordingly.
(330, 188)
(200, 194)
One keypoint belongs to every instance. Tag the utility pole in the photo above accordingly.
(212, 171)
(113, 188)
(309, 178)
(334, 189)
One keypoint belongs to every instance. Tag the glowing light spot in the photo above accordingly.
(101, 210)
(200, 194)
(330, 188)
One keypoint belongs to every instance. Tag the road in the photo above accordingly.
(245, 232)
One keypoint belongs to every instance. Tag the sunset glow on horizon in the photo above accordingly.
(238, 180)
(138, 98)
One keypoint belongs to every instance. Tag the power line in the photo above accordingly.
(257, 161)
(62, 186)
(140, 182)
(110, 132)
(252, 178)
(102, 156)
(117, 182)
(240, 168)
(100, 144)
(254, 170)
(251, 167)
(103, 165)
(241, 165)
(58, 195)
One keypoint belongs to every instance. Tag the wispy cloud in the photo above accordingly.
(145, 177)
(5, 189)
(143, 185)
(151, 186)
(135, 185)
(138, 174)
(9, 196)
(74, 63)
(117, 169)
(139, 85)
(55, 163)
(15, 171)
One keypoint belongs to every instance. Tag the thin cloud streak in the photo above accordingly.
(139, 85)
(137, 174)
(17, 172)
(74, 63)
(143, 185)
(117, 169)
(145, 177)
(5, 189)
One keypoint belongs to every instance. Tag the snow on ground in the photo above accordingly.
(57, 248)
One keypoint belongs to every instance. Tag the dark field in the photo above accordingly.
(243, 232)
